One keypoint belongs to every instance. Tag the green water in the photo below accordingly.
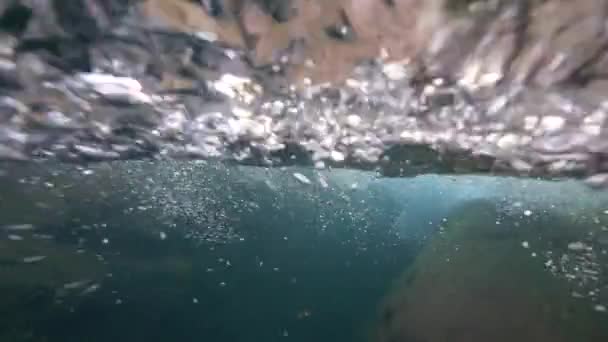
(198, 252)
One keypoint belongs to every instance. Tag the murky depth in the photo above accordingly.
(191, 251)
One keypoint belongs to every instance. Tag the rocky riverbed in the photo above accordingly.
(405, 86)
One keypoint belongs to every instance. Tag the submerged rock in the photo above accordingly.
(482, 281)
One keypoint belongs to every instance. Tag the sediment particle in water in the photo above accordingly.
(90, 289)
(577, 246)
(33, 259)
(323, 182)
(25, 226)
(75, 284)
(303, 179)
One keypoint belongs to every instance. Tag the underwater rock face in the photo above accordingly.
(481, 281)
(479, 86)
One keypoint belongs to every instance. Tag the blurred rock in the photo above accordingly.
(479, 280)
(495, 68)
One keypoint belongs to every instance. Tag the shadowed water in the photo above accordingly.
(187, 251)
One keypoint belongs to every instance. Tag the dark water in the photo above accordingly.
(259, 289)
(198, 252)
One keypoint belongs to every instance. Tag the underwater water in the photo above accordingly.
(202, 251)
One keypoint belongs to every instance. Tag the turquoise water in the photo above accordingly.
(185, 251)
